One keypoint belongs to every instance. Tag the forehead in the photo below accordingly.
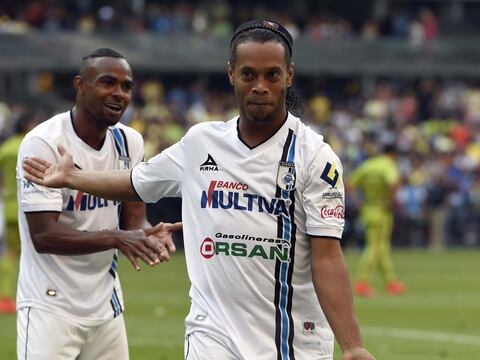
(260, 54)
(103, 66)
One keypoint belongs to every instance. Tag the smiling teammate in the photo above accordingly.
(262, 212)
(69, 298)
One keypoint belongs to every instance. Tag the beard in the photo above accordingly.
(102, 118)
(262, 114)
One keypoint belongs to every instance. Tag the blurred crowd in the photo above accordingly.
(434, 124)
(216, 18)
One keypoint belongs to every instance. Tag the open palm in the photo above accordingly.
(48, 174)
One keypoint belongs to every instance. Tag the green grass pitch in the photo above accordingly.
(439, 317)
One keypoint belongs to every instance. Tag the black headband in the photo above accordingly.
(268, 25)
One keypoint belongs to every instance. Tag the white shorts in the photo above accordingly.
(45, 336)
(201, 346)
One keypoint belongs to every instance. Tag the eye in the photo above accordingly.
(127, 87)
(107, 82)
(274, 75)
(247, 75)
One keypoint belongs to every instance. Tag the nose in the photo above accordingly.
(119, 92)
(260, 86)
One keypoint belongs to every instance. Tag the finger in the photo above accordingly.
(36, 162)
(153, 230)
(177, 226)
(34, 178)
(165, 256)
(146, 259)
(61, 149)
(155, 250)
(171, 246)
(32, 175)
(133, 260)
(149, 257)
(33, 171)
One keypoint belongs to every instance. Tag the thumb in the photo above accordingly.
(154, 229)
(61, 149)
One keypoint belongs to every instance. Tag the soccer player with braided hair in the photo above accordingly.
(262, 210)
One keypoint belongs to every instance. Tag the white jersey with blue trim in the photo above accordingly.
(246, 215)
(82, 288)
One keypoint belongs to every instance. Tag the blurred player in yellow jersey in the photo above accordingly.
(8, 261)
(377, 178)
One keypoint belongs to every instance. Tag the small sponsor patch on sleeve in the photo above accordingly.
(330, 174)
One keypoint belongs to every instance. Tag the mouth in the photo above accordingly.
(259, 103)
(114, 108)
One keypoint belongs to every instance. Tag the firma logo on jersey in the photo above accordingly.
(232, 195)
(209, 164)
(87, 202)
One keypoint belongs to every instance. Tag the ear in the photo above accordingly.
(290, 75)
(77, 83)
(230, 73)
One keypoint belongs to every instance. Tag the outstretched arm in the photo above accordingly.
(330, 279)
(114, 185)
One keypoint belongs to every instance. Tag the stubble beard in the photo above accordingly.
(263, 117)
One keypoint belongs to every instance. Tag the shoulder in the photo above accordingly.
(210, 128)
(313, 145)
(50, 131)
(133, 137)
(129, 132)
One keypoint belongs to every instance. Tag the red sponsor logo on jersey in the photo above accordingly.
(207, 248)
(337, 212)
(220, 184)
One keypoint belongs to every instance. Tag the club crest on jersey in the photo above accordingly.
(286, 175)
(209, 164)
(330, 175)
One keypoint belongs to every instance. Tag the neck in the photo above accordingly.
(254, 133)
(88, 129)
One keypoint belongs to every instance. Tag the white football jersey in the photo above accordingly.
(83, 288)
(246, 215)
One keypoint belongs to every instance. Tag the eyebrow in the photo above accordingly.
(246, 67)
(111, 77)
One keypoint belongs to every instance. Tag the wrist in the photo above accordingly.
(69, 178)
(117, 238)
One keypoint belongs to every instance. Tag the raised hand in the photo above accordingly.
(45, 173)
(161, 234)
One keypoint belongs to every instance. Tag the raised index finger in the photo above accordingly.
(176, 226)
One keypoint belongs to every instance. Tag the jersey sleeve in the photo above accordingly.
(33, 197)
(324, 195)
(160, 176)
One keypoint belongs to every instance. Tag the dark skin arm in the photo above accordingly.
(51, 236)
(132, 216)
(332, 285)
